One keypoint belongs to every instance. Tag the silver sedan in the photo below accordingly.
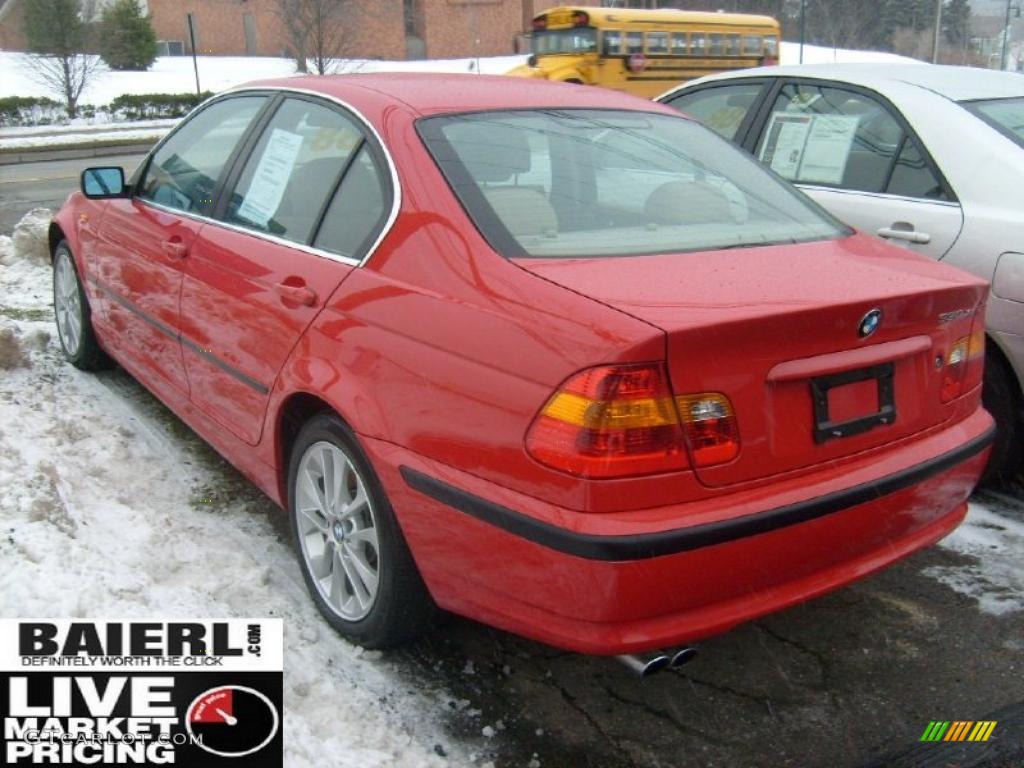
(928, 157)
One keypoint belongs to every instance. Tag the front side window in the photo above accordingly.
(592, 183)
(184, 171)
(634, 42)
(771, 45)
(293, 170)
(832, 137)
(1005, 115)
(722, 108)
(575, 40)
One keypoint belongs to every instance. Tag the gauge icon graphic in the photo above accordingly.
(232, 721)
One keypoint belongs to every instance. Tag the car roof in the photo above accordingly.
(955, 83)
(437, 93)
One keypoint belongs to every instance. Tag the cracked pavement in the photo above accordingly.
(840, 681)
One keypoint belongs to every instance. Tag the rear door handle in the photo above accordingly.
(175, 249)
(298, 294)
(902, 231)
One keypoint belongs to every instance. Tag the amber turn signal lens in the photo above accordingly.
(618, 421)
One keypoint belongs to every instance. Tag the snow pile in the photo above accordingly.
(6, 250)
(818, 54)
(30, 236)
(11, 353)
(104, 513)
(995, 576)
(91, 137)
(174, 74)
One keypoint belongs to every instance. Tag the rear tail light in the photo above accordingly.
(711, 430)
(965, 363)
(622, 420)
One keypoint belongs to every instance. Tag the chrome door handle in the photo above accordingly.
(910, 235)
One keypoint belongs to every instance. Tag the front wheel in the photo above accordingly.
(74, 317)
(354, 559)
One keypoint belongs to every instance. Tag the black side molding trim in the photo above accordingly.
(233, 372)
(645, 546)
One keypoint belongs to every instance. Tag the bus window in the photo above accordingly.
(771, 45)
(657, 42)
(699, 44)
(634, 42)
(612, 45)
(575, 40)
(732, 45)
(717, 45)
(678, 43)
(753, 45)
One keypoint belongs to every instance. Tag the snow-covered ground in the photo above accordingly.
(174, 74)
(109, 507)
(995, 545)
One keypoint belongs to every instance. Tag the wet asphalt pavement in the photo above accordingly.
(851, 679)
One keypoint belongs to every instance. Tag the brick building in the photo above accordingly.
(387, 29)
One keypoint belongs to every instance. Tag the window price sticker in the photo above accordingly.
(197, 693)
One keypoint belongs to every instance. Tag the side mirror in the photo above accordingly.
(103, 183)
(531, 60)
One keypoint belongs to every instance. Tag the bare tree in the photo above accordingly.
(58, 34)
(322, 32)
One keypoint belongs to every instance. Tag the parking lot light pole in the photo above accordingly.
(803, 27)
(1006, 31)
(938, 31)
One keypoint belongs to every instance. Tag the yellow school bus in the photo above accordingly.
(645, 52)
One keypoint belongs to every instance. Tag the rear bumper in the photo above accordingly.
(617, 583)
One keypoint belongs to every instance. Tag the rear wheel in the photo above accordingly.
(1001, 396)
(74, 317)
(354, 558)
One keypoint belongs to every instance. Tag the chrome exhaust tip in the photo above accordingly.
(645, 667)
(682, 657)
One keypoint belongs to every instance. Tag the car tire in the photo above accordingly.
(73, 314)
(1001, 397)
(354, 558)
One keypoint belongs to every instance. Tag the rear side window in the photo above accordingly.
(847, 139)
(592, 183)
(1005, 115)
(184, 171)
(356, 211)
(293, 170)
(722, 109)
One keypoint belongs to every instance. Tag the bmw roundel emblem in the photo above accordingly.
(869, 323)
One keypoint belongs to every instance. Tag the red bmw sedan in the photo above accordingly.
(549, 357)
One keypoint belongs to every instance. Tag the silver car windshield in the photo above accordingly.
(1005, 115)
(589, 183)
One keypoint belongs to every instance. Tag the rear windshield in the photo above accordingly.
(587, 183)
(1005, 115)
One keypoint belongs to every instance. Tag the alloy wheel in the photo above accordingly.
(337, 530)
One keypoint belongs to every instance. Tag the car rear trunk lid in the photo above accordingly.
(785, 332)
